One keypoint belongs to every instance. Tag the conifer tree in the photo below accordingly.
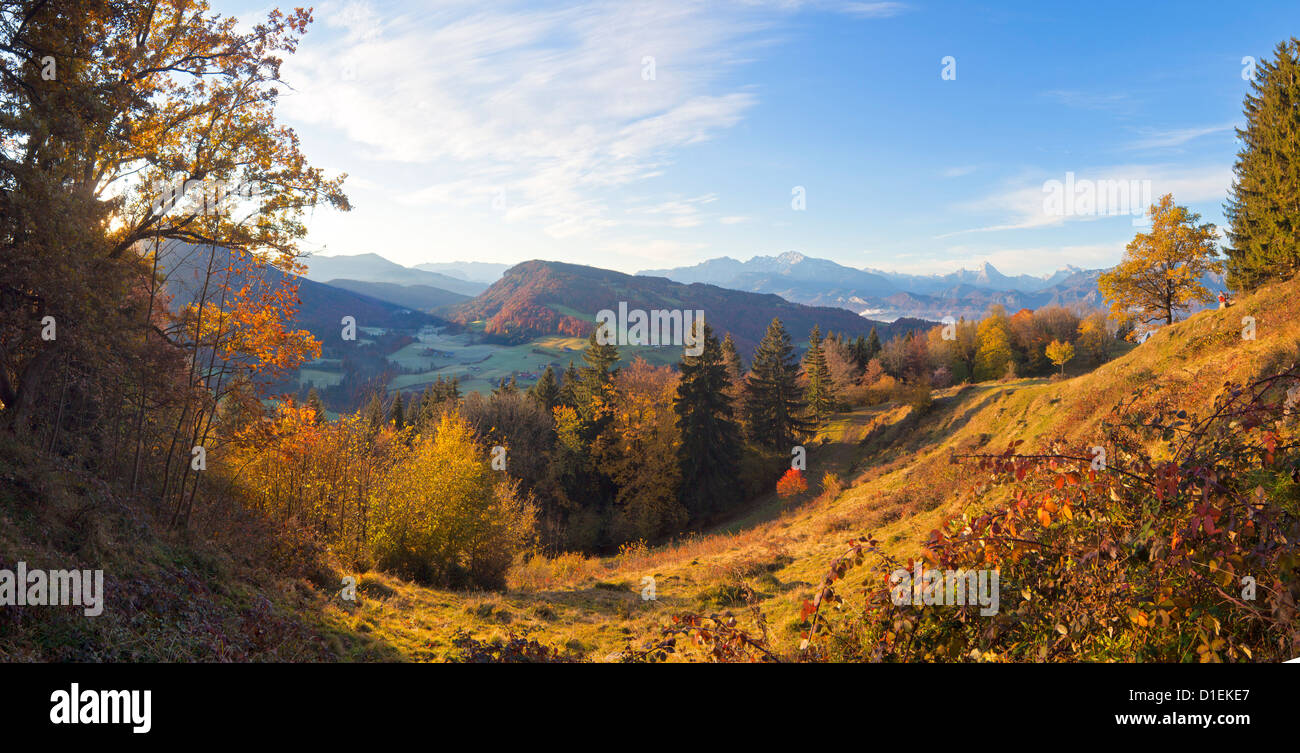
(1264, 207)
(873, 347)
(594, 388)
(397, 415)
(821, 392)
(735, 377)
(774, 405)
(709, 453)
(569, 386)
(546, 392)
(375, 412)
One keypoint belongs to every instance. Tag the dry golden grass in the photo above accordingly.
(900, 483)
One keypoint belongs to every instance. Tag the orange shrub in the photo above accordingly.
(791, 483)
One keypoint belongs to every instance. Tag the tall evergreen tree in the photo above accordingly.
(735, 379)
(569, 386)
(709, 453)
(821, 392)
(375, 412)
(858, 351)
(873, 347)
(546, 392)
(775, 407)
(594, 391)
(397, 415)
(1264, 208)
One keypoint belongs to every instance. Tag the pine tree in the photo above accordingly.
(396, 415)
(821, 393)
(873, 347)
(1264, 208)
(774, 404)
(594, 389)
(709, 454)
(430, 405)
(546, 392)
(569, 386)
(375, 412)
(858, 351)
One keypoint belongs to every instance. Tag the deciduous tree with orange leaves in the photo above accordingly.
(1161, 272)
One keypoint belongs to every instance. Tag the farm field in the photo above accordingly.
(479, 366)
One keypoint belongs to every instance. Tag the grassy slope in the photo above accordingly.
(902, 484)
(176, 597)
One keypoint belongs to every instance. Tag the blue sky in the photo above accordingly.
(511, 131)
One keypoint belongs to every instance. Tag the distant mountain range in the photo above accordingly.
(542, 297)
(419, 297)
(320, 306)
(375, 268)
(474, 271)
(890, 295)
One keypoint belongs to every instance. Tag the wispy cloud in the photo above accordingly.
(873, 10)
(1021, 204)
(1155, 139)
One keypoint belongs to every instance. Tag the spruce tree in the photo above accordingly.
(735, 378)
(859, 351)
(1264, 207)
(709, 453)
(546, 392)
(774, 404)
(569, 386)
(396, 415)
(873, 347)
(595, 385)
(821, 393)
(375, 412)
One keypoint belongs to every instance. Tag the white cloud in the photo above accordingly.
(1021, 205)
(551, 107)
(1152, 139)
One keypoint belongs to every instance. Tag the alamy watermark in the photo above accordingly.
(946, 588)
(208, 196)
(53, 588)
(1083, 197)
(657, 327)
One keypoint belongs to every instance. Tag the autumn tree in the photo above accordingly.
(442, 515)
(646, 468)
(155, 136)
(1160, 274)
(1059, 353)
(994, 353)
(1263, 210)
